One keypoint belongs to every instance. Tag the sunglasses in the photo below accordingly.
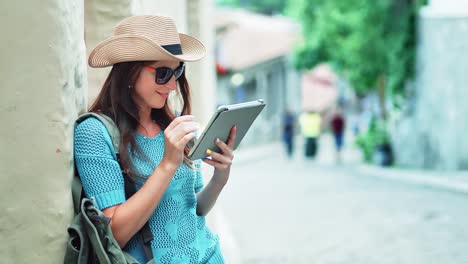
(164, 74)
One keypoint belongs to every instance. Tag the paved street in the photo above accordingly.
(302, 211)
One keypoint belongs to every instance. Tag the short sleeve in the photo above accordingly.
(99, 171)
(198, 177)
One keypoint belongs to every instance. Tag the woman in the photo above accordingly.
(147, 56)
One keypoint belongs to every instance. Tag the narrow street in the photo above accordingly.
(304, 211)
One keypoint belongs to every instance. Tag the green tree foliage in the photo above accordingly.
(268, 7)
(371, 139)
(366, 41)
(370, 43)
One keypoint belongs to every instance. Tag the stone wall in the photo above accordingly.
(44, 86)
(433, 135)
(44, 80)
(100, 17)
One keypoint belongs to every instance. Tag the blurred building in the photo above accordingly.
(253, 61)
(319, 89)
(431, 135)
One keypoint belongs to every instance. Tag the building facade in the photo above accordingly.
(254, 62)
(432, 135)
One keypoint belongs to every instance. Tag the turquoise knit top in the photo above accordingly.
(180, 235)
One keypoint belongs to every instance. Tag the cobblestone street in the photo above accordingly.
(303, 211)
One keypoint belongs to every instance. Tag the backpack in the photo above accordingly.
(90, 235)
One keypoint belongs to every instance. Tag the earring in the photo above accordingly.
(130, 86)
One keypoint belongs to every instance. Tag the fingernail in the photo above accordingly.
(208, 151)
(217, 140)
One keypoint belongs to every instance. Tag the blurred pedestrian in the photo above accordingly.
(288, 132)
(310, 128)
(337, 124)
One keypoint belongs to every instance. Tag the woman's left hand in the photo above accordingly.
(222, 161)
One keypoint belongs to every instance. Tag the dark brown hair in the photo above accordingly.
(116, 101)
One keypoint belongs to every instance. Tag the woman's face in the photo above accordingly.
(149, 94)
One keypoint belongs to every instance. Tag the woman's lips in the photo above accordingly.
(163, 95)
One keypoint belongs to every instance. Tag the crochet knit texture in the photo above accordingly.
(180, 235)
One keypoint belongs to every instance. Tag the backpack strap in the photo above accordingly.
(77, 188)
(77, 192)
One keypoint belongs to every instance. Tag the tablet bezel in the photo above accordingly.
(219, 111)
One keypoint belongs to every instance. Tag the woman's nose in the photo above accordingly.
(172, 83)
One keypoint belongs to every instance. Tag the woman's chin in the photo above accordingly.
(158, 105)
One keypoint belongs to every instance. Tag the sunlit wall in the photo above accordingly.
(433, 134)
(44, 83)
(44, 86)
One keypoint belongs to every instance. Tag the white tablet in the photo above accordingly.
(242, 115)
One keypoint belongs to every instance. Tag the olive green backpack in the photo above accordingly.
(90, 235)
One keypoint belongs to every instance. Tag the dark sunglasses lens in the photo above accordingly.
(179, 71)
(163, 75)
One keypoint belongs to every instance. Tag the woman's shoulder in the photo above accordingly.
(89, 127)
(92, 138)
(92, 132)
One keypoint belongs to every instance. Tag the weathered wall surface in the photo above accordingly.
(44, 80)
(100, 18)
(433, 136)
(43, 87)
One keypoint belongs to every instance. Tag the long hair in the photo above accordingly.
(116, 101)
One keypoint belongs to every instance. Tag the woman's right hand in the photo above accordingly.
(179, 132)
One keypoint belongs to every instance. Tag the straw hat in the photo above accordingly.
(146, 38)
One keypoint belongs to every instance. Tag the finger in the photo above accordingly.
(232, 137)
(210, 162)
(186, 139)
(226, 150)
(183, 129)
(178, 120)
(215, 164)
(215, 156)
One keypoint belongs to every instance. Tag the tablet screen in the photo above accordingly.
(241, 115)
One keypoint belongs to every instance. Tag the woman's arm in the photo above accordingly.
(206, 198)
(222, 163)
(129, 217)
